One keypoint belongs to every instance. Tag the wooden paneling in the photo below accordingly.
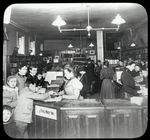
(85, 119)
(124, 123)
(42, 127)
(144, 119)
(82, 124)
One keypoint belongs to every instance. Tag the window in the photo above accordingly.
(21, 43)
(31, 47)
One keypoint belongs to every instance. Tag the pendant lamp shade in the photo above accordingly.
(70, 46)
(91, 45)
(118, 20)
(59, 22)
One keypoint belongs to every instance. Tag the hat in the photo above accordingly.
(11, 77)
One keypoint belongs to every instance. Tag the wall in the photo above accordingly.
(137, 35)
(12, 30)
(63, 44)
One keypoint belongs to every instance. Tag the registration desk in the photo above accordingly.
(88, 118)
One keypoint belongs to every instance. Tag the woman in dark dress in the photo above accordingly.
(91, 74)
(107, 87)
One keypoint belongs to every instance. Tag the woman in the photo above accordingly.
(72, 86)
(107, 87)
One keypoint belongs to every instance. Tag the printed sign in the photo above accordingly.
(46, 112)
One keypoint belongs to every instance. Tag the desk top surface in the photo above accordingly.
(91, 104)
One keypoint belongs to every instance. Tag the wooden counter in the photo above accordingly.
(88, 118)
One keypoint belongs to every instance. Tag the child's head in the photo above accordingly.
(39, 75)
(33, 70)
(7, 113)
(12, 81)
(22, 69)
(31, 86)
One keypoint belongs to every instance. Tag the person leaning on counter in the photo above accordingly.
(72, 86)
(129, 88)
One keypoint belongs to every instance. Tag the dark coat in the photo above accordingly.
(128, 84)
(90, 72)
(86, 84)
(42, 83)
(134, 73)
(11, 130)
(107, 87)
(32, 79)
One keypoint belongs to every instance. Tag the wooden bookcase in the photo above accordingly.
(14, 61)
(135, 53)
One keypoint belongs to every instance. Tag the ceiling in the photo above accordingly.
(38, 17)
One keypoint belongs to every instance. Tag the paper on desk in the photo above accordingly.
(51, 75)
(136, 100)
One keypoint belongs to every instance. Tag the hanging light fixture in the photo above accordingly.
(70, 46)
(133, 45)
(91, 45)
(118, 20)
(59, 22)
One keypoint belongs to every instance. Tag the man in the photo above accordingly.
(128, 84)
(90, 72)
(21, 78)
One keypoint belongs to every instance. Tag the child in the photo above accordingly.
(23, 110)
(21, 78)
(31, 76)
(41, 79)
(10, 92)
(9, 126)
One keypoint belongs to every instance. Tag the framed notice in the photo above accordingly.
(46, 112)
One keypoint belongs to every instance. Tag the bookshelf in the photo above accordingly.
(135, 53)
(14, 61)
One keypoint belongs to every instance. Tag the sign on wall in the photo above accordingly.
(46, 112)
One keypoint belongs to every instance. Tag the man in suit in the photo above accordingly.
(90, 72)
(128, 84)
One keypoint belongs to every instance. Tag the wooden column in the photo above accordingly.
(100, 44)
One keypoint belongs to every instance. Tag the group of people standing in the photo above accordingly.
(18, 94)
(80, 82)
(103, 82)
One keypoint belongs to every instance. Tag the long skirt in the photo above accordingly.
(107, 90)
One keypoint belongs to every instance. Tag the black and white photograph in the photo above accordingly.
(75, 70)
